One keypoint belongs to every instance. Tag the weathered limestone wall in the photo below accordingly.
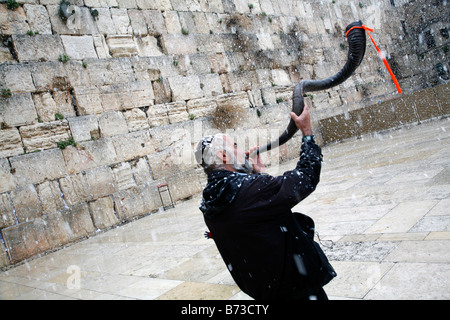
(99, 109)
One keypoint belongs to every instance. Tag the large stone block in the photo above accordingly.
(239, 99)
(155, 22)
(5, 55)
(236, 81)
(136, 120)
(104, 22)
(110, 72)
(88, 100)
(89, 155)
(52, 76)
(219, 63)
(175, 136)
(43, 47)
(26, 239)
(4, 260)
(148, 46)
(177, 112)
(157, 115)
(136, 201)
(38, 18)
(384, 116)
(137, 22)
(17, 78)
(50, 196)
(123, 176)
(102, 212)
(84, 128)
(6, 177)
(75, 189)
(281, 78)
(185, 88)
(141, 171)
(80, 23)
(47, 232)
(7, 217)
(141, 93)
(10, 143)
(143, 70)
(121, 20)
(38, 167)
(163, 5)
(47, 106)
(133, 145)
(172, 22)
(26, 203)
(101, 182)
(79, 47)
(117, 97)
(209, 43)
(101, 47)
(79, 222)
(365, 121)
(17, 110)
(44, 135)
(184, 184)
(404, 109)
(179, 44)
(211, 85)
(171, 161)
(161, 89)
(426, 104)
(112, 123)
(13, 21)
(201, 107)
(443, 96)
(122, 45)
(337, 128)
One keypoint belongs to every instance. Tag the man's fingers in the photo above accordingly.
(293, 116)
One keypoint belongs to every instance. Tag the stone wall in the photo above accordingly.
(99, 109)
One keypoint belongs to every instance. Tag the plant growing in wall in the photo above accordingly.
(63, 144)
(6, 93)
(11, 4)
(63, 58)
(94, 13)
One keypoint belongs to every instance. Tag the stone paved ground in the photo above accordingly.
(381, 211)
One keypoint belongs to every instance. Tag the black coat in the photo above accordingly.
(247, 216)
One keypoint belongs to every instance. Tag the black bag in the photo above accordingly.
(313, 267)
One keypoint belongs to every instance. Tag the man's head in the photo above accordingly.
(220, 152)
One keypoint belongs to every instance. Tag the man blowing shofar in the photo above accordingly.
(250, 219)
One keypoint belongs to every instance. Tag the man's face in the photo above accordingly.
(240, 162)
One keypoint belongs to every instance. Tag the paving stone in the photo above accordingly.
(402, 218)
(405, 281)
